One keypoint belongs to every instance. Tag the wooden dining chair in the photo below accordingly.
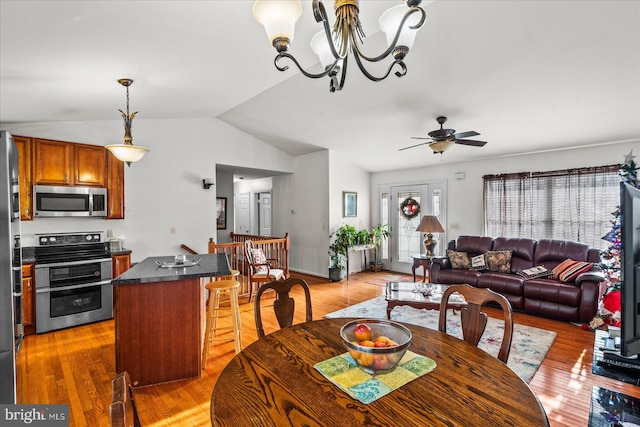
(260, 270)
(123, 411)
(283, 306)
(474, 320)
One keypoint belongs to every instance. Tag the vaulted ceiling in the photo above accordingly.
(529, 76)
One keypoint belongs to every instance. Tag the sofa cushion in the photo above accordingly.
(452, 276)
(569, 269)
(499, 261)
(552, 291)
(522, 251)
(502, 283)
(550, 253)
(473, 245)
(459, 260)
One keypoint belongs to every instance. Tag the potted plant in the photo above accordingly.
(363, 237)
(378, 234)
(344, 237)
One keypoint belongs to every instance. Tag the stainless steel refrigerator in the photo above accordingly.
(11, 326)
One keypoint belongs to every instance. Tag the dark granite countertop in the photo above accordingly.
(148, 271)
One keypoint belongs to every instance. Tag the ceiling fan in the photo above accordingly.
(441, 139)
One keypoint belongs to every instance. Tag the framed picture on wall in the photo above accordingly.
(221, 213)
(350, 203)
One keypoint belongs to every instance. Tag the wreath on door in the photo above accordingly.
(409, 208)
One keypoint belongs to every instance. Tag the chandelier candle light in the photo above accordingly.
(430, 224)
(400, 23)
(127, 152)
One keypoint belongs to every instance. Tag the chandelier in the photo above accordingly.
(127, 152)
(333, 45)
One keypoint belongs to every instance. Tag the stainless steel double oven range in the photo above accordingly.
(73, 280)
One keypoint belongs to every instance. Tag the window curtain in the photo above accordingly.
(570, 204)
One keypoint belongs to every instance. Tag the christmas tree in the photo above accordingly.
(609, 305)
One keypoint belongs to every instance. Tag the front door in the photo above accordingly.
(407, 205)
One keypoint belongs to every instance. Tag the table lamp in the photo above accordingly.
(430, 224)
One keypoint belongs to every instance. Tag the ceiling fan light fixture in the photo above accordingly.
(440, 147)
(127, 152)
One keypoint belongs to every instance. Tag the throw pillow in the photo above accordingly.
(569, 269)
(499, 261)
(259, 258)
(535, 272)
(479, 262)
(459, 260)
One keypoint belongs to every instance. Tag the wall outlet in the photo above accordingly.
(172, 230)
(454, 226)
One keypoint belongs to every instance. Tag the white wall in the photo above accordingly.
(465, 196)
(164, 189)
(344, 176)
(301, 208)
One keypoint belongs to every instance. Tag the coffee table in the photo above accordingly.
(400, 293)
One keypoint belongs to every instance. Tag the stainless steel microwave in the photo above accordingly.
(60, 201)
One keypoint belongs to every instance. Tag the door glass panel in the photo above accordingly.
(384, 219)
(408, 238)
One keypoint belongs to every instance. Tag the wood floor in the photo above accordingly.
(75, 366)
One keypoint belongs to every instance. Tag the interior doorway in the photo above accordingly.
(263, 207)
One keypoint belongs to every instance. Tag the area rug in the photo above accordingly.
(382, 280)
(529, 345)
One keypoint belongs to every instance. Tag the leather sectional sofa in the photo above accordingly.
(575, 300)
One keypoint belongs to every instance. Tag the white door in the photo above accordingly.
(264, 213)
(407, 205)
(243, 214)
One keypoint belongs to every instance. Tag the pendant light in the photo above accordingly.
(127, 152)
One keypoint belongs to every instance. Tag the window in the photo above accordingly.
(573, 204)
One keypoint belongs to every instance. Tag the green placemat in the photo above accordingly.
(343, 372)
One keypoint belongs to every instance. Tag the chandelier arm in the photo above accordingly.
(334, 84)
(326, 72)
(370, 76)
(392, 45)
(320, 14)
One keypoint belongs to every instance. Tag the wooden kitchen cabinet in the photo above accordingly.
(52, 162)
(89, 165)
(120, 264)
(24, 145)
(115, 187)
(66, 163)
(28, 299)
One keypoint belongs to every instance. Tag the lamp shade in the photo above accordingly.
(390, 22)
(320, 46)
(127, 152)
(430, 224)
(279, 17)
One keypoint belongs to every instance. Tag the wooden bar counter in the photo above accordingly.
(158, 318)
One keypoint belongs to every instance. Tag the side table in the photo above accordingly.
(423, 261)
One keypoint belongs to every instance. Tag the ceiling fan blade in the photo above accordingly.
(471, 142)
(465, 134)
(412, 146)
(419, 137)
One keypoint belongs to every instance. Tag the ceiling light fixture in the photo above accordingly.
(127, 152)
(400, 23)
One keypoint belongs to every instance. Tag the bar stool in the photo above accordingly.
(233, 276)
(215, 312)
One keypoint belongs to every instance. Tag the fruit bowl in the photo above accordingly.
(376, 345)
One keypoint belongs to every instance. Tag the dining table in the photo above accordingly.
(273, 382)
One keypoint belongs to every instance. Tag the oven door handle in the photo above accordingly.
(68, 288)
(68, 263)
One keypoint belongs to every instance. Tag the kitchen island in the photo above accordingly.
(159, 316)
